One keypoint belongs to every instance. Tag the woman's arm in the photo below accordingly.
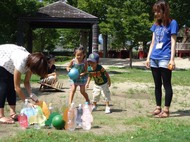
(173, 47)
(147, 63)
(27, 82)
(17, 82)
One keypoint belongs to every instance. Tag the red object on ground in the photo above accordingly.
(23, 121)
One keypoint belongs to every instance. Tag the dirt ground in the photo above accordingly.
(129, 99)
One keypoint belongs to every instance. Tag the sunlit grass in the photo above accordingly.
(138, 129)
(179, 77)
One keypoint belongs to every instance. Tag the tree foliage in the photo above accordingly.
(122, 20)
(11, 10)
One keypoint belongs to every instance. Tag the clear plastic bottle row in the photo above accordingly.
(79, 118)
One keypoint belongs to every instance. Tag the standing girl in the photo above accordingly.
(81, 64)
(161, 55)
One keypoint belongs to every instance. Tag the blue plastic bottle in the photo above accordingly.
(79, 115)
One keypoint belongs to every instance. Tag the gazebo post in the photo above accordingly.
(29, 43)
(20, 37)
(90, 42)
(95, 37)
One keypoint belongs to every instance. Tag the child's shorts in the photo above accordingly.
(101, 90)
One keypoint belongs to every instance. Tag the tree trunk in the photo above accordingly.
(130, 57)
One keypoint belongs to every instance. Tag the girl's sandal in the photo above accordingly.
(5, 120)
(14, 117)
(163, 114)
(156, 111)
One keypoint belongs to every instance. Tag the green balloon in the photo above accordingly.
(48, 122)
(58, 122)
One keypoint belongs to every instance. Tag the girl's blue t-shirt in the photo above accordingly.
(163, 36)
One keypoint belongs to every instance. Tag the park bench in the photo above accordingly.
(182, 49)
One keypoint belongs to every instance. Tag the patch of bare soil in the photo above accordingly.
(129, 99)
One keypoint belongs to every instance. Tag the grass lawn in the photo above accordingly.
(136, 129)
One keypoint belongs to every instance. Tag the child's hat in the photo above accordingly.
(93, 57)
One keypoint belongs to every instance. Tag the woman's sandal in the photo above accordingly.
(156, 111)
(163, 114)
(5, 120)
(14, 117)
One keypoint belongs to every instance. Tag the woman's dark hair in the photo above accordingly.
(162, 6)
(37, 63)
(50, 56)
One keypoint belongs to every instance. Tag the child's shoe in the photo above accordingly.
(107, 110)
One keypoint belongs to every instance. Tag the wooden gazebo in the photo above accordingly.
(59, 15)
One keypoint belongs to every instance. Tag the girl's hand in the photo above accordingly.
(87, 85)
(109, 83)
(68, 69)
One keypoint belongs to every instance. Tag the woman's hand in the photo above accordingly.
(171, 65)
(31, 105)
(147, 63)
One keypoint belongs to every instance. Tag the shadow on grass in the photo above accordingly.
(114, 72)
(180, 113)
(112, 109)
(96, 127)
(117, 110)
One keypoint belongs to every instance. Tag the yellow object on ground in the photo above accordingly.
(44, 107)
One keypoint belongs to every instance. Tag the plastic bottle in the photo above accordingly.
(22, 118)
(78, 116)
(37, 124)
(87, 117)
(65, 117)
(71, 122)
(51, 111)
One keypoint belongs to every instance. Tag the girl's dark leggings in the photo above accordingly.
(162, 75)
(6, 88)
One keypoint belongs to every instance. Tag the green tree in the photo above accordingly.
(11, 10)
(45, 39)
(180, 11)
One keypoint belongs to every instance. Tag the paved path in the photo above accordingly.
(181, 63)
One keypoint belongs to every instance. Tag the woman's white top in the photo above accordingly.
(13, 57)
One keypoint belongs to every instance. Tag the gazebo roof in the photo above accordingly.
(61, 9)
(61, 15)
